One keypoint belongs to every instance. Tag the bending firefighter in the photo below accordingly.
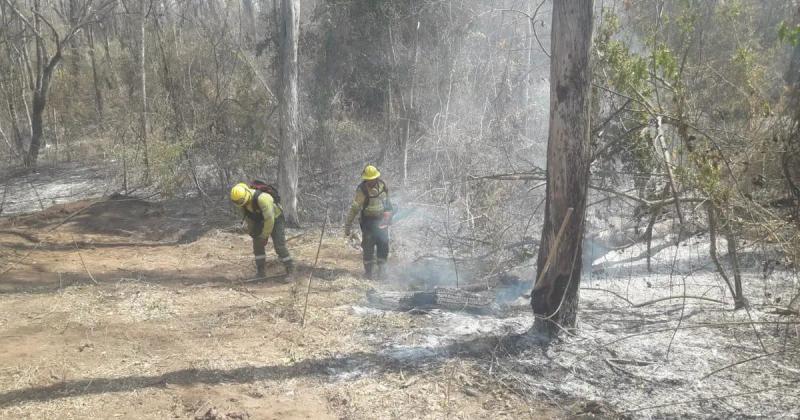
(264, 219)
(373, 205)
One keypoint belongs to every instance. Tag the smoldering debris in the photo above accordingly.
(430, 283)
(665, 343)
(441, 297)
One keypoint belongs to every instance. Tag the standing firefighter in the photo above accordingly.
(260, 204)
(373, 204)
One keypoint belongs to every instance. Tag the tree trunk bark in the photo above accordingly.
(555, 295)
(12, 112)
(528, 79)
(248, 22)
(143, 71)
(410, 114)
(98, 93)
(730, 237)
(711, 211)
(170, 85)
(37, 122)
(37, 108)
(289, 130)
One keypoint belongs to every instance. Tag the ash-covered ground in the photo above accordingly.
(664, 342)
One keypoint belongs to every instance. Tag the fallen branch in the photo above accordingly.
(439, 298)
(630, 362)
(27, 236)
(650, 302)
(698, 326)
(740, 394)
(741, 362)
(610, 292)
(784, 312)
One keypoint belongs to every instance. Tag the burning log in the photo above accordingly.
(439, 298)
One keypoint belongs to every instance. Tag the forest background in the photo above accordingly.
(694, 114)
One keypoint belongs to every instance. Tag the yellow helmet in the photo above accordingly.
(370, 173)
(240, 194)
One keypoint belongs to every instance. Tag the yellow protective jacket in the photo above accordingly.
(264, 214)
(370, 202)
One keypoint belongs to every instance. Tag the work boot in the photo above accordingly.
(260, 271)
(289, 266)
(368, 266)
(381, 274)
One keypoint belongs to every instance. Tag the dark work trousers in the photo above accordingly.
(372, 237)
(278, 236)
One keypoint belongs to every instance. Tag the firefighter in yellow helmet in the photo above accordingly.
(265, 219)
(373, 206)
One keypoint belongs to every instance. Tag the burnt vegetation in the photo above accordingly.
(608, 187)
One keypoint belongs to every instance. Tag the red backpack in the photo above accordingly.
(263, 187)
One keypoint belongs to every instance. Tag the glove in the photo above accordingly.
(386, 221)
(266, 241)
(347, 232)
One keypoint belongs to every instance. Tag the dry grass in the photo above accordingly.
(174, 330)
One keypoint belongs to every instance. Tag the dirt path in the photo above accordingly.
(138, 310)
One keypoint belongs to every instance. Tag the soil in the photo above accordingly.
(123, 308)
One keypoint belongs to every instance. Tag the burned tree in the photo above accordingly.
(555, 294)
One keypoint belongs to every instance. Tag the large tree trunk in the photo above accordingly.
(555, 295)
(290, 131)
(37, 128)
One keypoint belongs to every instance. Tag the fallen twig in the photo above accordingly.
(78, 250)
(609, 291)
(24, 257)
(741, 362)
(740, 394)
(650, 302)
(703, 325)
(630, 362)
(35, 191)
